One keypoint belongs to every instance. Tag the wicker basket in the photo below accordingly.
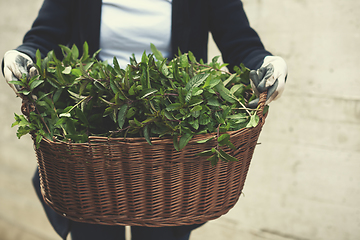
(120, 181)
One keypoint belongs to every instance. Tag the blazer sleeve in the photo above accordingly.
(51, 28)
(236, 40)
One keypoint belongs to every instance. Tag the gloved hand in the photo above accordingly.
(15, 65)
(270, 76)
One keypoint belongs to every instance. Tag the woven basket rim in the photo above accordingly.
(167, 139)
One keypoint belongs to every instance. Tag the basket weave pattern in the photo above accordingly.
(116, 181)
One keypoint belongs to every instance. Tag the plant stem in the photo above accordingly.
(245, 108)
(42, 119)
(77, 104)
(250, 109)
(208, 67)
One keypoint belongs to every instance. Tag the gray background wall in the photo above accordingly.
(304, 178)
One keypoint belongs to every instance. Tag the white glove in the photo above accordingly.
(15, 65)
(270, 76)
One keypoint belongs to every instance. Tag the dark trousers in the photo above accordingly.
(84, 231)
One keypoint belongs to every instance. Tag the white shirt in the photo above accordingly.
(129, 26)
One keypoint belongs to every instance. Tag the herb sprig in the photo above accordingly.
(80, 96)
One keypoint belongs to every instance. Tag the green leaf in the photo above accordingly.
(76, 95)
(204, 119)
(132, 90)
(196, 92)
(122, 115)
(235, 88)
(25, 92)
(181, 95)
(20, 83)
(195, 123)
(96, 53)
(205, 140)
(225, 93)
(192, 57)
(223, 138)
(227, 156)
(213, 159)
(38, 60)
(76, 72)
(266, 109)
(114, 87)
(35, 83)
(147, 134)
(205, 153)
(57, 94)
(66, 50)
(59, 76)
(215, 59)
(131, 112)
(168, 115)
(66, 114)
(108, 111)
(229, 79)
(85, 55)
(83, 86)
(230, 145)
(158, 55)
(195, 111)
(116, 66)
(23, 78)
(196, 108)
(75, 52)
(164, 68)
(38, 138)
(185, 138)
(195, 101)
(148, 120)
(146, 92)
(196, 81)
(42, 95)
(81, 116)
(176, 143)
(99, 85)
(219, 118)
(238, 116)
(213, 82)
(175, 70)
(139, 124)
(23, 131)
(213, 101)
(67, 70)
(20, 120)
(87, 67)
(254, 120)
(119, 95)
(173, 107)
(184, 62)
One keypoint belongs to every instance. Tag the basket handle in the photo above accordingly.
(27, 106)
(262, 100)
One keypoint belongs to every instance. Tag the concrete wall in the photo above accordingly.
(21, 215)
(304, 179)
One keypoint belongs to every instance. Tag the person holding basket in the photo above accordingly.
(120, 28)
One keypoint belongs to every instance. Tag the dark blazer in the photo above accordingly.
(70, 22)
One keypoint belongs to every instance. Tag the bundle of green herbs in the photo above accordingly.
(80, 96)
